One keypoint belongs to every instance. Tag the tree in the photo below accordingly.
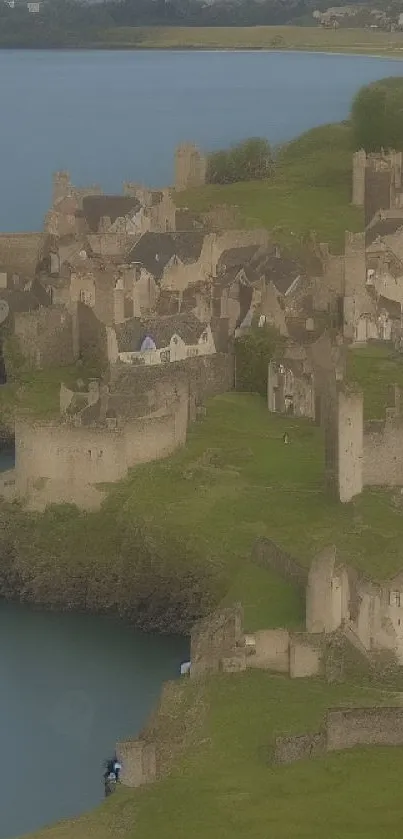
(377, 116)
(251, 160)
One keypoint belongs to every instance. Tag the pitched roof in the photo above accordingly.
(383, 227)
(96, 207)
(237, 257)
(282, 271)
(131, 334)
(154, 250)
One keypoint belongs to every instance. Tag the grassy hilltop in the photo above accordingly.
(310, 190)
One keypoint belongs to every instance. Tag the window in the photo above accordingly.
(165, 355)
(204, 337)
(191, 352)
(86, 297)
(394, 598)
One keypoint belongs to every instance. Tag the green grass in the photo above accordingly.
(253, 37)
(310, 191)
(259, 487)
(36, 393)
(375, 368)
(223, 786)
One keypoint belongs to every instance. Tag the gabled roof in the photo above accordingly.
(154, 250)
(237, 257)
(96, 207)
(131, 334)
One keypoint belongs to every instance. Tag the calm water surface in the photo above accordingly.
(115, 116)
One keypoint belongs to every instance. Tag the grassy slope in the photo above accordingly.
(261, 487)
(35, 393)
(255, 37)
(224, 786)
(310, 191)
(375, 368)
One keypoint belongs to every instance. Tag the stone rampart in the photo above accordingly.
(343, 729)
(266, 553)
(60, 463)
(383, 454)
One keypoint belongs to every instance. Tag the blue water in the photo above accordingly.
(115, 116)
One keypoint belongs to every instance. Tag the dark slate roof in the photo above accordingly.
(280, 270)
(154, 250)
(130, 335)
(237, 257)
(383, 227)
(390, 306)
(96, 207)
(19, 301)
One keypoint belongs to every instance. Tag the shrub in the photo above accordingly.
(251, 160)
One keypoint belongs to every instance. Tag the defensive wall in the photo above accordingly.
(60, 463)
(359, 454)
(344, 729)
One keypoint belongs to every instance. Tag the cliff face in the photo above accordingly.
(100, 562)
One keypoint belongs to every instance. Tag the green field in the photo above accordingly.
(254, 37)
(224, 787)
(375, 368)
(309, 192)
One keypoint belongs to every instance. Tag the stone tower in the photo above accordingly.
(359, 164)
(61, 187)
(190, 167)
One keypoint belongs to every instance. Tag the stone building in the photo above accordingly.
(190, 167)
(160, 340)
(370, 613)
(377, 182)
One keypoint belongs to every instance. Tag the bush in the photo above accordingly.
(251, 160)
(253, 353)
(377, 116)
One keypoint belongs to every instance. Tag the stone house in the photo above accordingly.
(160, 340)
(290, 388)
(370, 613)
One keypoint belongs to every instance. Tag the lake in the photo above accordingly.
(110, 116)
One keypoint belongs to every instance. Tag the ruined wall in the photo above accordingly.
(216, 638)
(359, 163)
(268, 554)
(206, 376)
(47, 337)
(383, 453)
(356, 299)
(327, 288)
(91, 336)
(350, 444)
(60, 463)
(364, 726)
(19, 253)
(190, 167)
(344, 729)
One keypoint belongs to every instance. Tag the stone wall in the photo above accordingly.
(268, 554)
(47, 337)
(383, 453)
(19, 253)
(344, 729)
(217, 638)
(60, 463)
(364, 727)
(350, 443)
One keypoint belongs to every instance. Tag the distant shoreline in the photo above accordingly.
(353, 42)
